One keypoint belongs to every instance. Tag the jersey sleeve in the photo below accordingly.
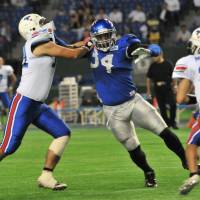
(132, 43)
(183, 68)
(39, 38)
(9, 70)
(61, 42)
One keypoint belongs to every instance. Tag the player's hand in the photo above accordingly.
(88, 44)
(141, 53)
(148, 95)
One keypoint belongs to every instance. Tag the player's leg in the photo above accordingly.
(125, 133)
(5, 99)
(145, 115)
(50, 123)
(193, 143)
(6, 103)
(17, 124)
(172, 104)
(162, 105)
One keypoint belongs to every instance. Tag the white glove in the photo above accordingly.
(141, 53)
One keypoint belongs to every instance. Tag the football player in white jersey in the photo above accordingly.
(6, 73)
(28, 105)
(187, 70)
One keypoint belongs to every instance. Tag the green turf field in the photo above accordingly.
(95, 167)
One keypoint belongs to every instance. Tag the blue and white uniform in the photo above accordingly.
(122, 105)
(27, 105)
(113, 72)
(5, 72)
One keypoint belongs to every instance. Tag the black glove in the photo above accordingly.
(192, 99)
(89, 45)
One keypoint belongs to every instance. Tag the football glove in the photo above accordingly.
(88, 44)
(141, 53)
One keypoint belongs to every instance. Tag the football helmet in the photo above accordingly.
(103, 34)
(32, 23)
(194, 42)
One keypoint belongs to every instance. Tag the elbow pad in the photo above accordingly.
(132, 48)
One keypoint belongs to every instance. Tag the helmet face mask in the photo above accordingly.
(103, 34)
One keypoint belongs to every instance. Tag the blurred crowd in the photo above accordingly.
(10, 13)
(147, 19)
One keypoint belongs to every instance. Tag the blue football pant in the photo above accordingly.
(23, 112)
(194, 136)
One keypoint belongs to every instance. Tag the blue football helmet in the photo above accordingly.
(103, 34)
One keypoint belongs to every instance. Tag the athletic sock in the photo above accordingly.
(48, 169)
(139, 158)
(193, 173)
(174, 144)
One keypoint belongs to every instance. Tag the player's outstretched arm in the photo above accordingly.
(183, 88)
(53, 49)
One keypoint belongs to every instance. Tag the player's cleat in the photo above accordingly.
(51, 183)
(185, 165)
(189, 184)
(150, 179)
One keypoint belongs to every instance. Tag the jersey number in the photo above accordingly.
(105, 61)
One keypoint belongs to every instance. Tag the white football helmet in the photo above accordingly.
(194, 42)
(29, 24)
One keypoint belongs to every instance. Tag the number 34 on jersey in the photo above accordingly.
(105, 61)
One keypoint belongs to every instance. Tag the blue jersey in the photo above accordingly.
(112, 72)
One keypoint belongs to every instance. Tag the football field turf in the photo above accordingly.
(95, 167)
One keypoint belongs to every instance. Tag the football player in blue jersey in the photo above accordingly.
(111, 63)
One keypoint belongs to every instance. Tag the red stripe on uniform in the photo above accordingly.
(193, 131)
(10, 121)
(180, 68)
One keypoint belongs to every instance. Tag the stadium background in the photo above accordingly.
(95, 165)
(73, 18)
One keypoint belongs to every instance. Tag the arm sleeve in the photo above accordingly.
(39, 39)
(60, 42)
(136, 43)
(183, 69)
(133, 43)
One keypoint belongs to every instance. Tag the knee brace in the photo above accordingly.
(58, 145)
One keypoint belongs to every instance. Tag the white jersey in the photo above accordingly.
(189, 67)
(37, 71)
(5, 72)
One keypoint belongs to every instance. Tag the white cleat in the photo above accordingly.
(48, 181)
(189, 184)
